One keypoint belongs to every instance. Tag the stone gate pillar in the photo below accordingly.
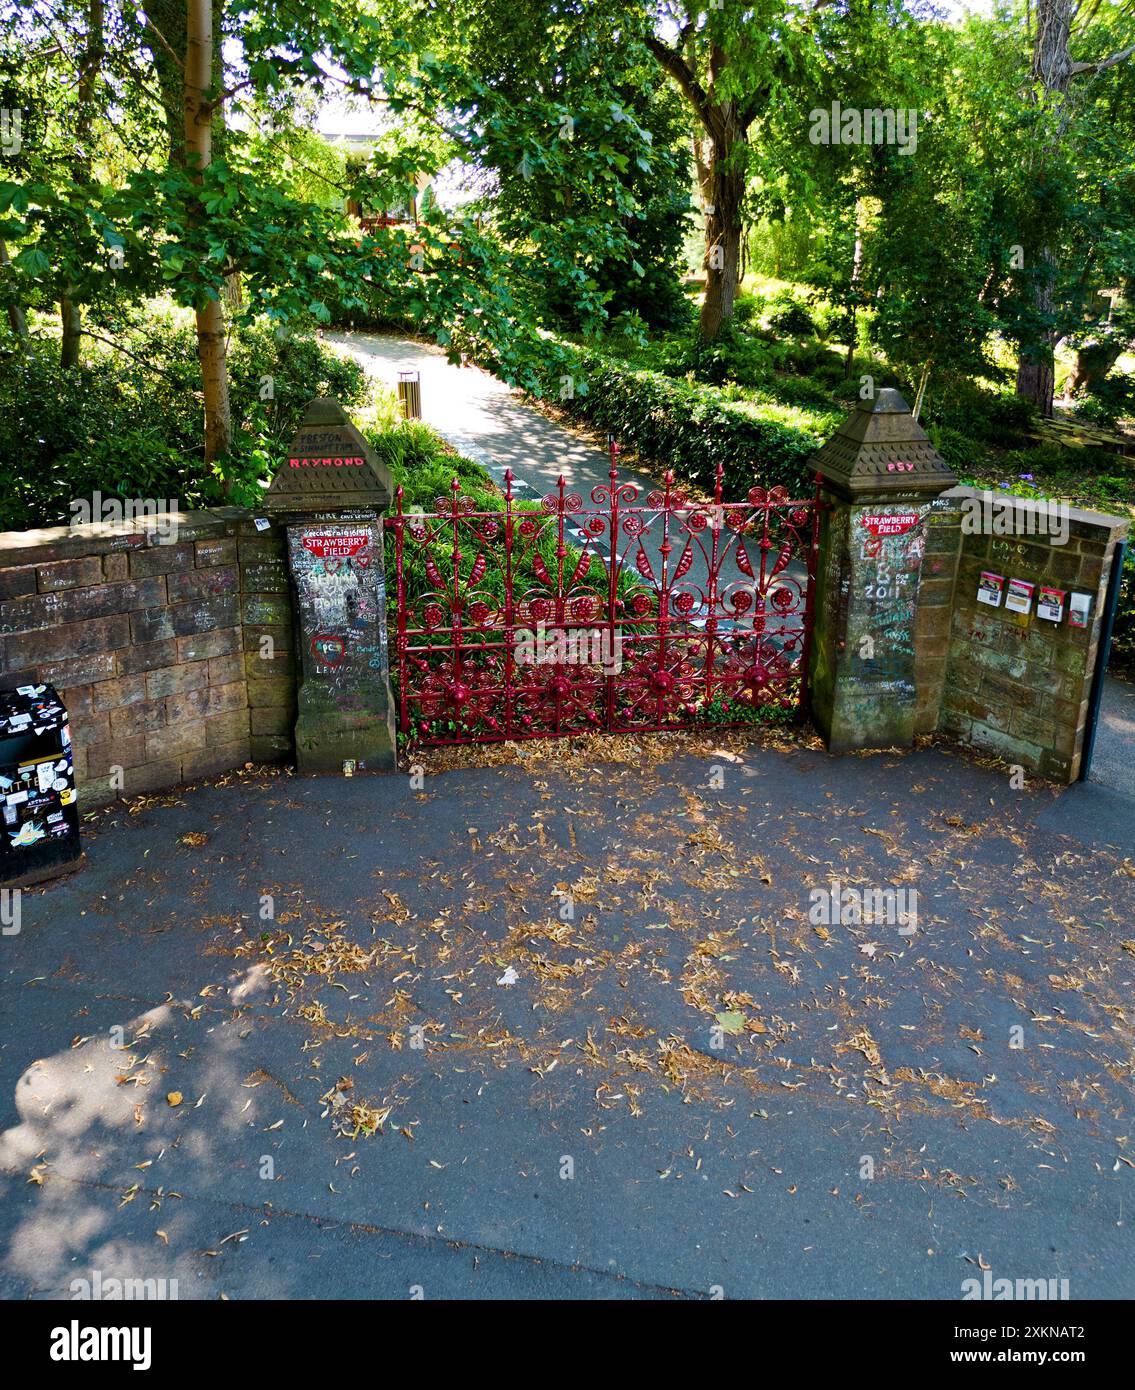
(330, 494)
(881, 476)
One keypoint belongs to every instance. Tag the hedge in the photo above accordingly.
(689, 428)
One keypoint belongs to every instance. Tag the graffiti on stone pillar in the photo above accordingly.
(886, 558)
(342, 603)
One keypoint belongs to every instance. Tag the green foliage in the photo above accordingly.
(1109, 401)
(737, 711)
(747, 309)
(424, 466)
(992, 417)
(807, 385)
(787, 313)
(690, 429)
(130, 427)
(956, 448)
(1123, 633)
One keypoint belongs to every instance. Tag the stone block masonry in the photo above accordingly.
(1016, 684)
(174, 658)
(943, 609)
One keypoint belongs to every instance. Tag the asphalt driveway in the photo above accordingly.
(563, 1027)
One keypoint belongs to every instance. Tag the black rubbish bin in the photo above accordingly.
(39, 814)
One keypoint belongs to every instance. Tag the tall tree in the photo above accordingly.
(199, 112)
(730, 61)
(1053, 70)
(700, 61)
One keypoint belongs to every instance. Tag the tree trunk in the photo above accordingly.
(1036, 382)
(724, 192)
(70, 315)
(17, 320)
(853, 290)
(1036, 362)
(72, 323)
(199, 58)
(1052, 71)
(720, 156)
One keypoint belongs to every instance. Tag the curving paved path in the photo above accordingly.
(486, 420)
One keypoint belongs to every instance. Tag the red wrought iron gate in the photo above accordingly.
(542, 619)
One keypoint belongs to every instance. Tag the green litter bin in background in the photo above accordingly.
(39, 812)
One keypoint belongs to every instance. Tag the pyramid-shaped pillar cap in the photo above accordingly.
(880, 451)
(330, 467)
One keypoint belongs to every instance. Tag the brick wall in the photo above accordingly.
(1015, 684)
(174, 657)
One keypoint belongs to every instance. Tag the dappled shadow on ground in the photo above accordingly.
(417, 1003)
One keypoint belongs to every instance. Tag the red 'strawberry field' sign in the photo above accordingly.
(336, 545)
(889, 523)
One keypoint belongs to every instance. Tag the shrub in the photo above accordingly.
(691, 428)
(995, 417)
(804, 358)
(1108, 401)
(790, 315)
(805, 391)
(733, 355)
(956, 448)
(131, 426)
(747, 308)
(424, 466)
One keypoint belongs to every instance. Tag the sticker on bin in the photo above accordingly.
(28, 834)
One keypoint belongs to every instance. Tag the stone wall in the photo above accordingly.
(933, 610)
(1015, 684)
(157, 644)
(176, 660)
(903, 647)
